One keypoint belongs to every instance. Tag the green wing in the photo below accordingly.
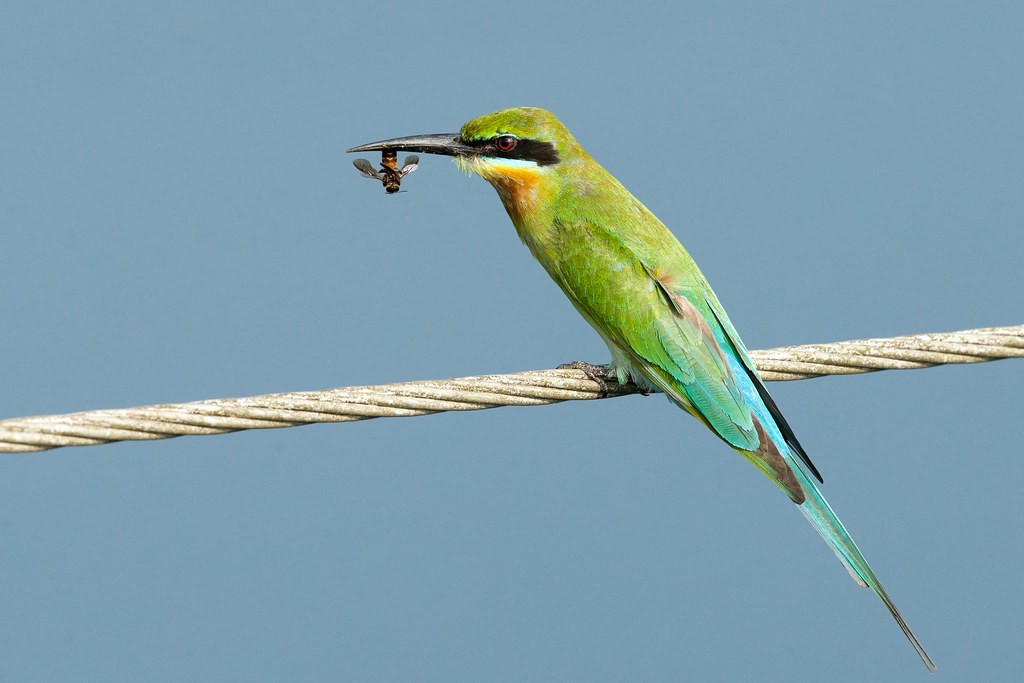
(658, 321)
(740, 350)
(656, 329)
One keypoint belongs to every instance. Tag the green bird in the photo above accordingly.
(632, 280)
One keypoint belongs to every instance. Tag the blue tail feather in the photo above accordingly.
(823, 518)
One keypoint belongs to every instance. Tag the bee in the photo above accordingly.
(389, 174)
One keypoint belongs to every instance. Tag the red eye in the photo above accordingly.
(505, 143)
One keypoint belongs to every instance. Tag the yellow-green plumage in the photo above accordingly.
(632, 280)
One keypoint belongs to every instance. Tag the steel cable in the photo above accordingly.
(538, 387)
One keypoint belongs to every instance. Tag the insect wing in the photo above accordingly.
(366, 168)
(411, 163)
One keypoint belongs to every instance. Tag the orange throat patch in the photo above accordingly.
(518, 187)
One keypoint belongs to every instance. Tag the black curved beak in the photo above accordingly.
(448, 144)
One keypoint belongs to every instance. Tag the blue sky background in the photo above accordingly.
(180, 222)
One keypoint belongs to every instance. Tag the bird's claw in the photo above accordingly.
(598, 373)
(606, 379)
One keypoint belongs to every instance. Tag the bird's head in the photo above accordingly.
(516, 150)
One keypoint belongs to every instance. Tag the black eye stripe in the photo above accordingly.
(544, 153)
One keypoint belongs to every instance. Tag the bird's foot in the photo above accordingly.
(598, 373)
(607, 379)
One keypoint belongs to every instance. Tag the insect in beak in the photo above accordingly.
(389, 174)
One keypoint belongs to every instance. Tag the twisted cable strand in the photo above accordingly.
(535, 387)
